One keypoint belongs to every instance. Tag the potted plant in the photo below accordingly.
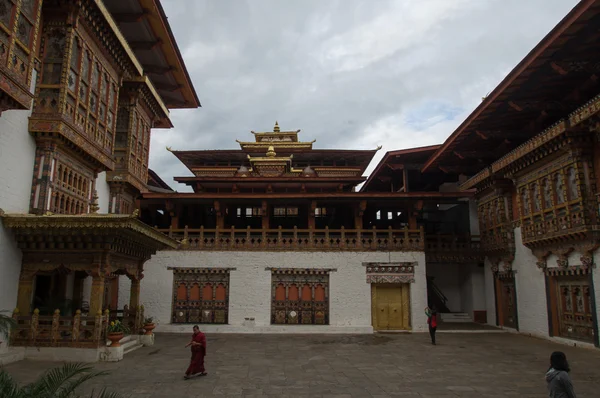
(116, 330)
(149, 325)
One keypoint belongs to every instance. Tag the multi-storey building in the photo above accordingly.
(276, 237)
(82, 85)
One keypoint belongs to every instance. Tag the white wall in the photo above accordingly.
(250, 287)
(531, 290)
(17, 158)
(490, 296)
(103, 191)
(596, 276)
(473, 217)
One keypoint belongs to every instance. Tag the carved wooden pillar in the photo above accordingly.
(412, 216)
(311, 214)
(97, 294)
(219, 214)
(265, 214)
(25, 291)
(134, 295)
(359, 212)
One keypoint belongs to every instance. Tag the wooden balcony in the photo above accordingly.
(79, 331)
(453, 249)
(295, 239)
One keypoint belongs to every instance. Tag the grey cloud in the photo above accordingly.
(348, 73)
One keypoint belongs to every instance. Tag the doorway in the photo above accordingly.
(390, 306)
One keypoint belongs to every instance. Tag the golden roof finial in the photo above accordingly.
(271, 152)
(276, 128)
(94, 205)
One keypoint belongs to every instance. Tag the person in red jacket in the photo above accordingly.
(198, 344)
(432, 322)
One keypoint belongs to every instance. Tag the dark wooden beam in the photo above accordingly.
(395, 167)
(558, 69)
(168, 87)
(157, 70)
(129, 17)
(144, 45)
(481, 135)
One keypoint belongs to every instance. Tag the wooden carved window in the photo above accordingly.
(572, 175)
(547, 194)
(299, 296)
(559, 188)
(200, 295)
(536, 197)
(321, 212)
(575, 309)
(525, 201)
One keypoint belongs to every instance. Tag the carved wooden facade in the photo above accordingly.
(571, 303)
(506, 299)
(495, 211)
(300, 296)
(557, 199)
(19, 36)
(200, 295)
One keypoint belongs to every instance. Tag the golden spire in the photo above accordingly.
(276, 128)
(271, 152)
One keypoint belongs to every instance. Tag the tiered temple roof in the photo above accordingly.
(276, 159)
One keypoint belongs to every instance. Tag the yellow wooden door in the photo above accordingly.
(391, 307)
(395, 318)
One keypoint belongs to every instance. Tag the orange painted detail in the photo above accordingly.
(306, 293)
(195, 292)
(293, 293)
(280, 292)
(207, 292)
(319, 293)
(221, 293)
(182, 292)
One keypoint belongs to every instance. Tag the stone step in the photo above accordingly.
(456, 317)
(132, 346)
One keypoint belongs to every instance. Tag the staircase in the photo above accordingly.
(129, 343)
(435, 297)
(456, 317)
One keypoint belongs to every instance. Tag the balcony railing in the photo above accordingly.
(458, 243)
(299, 239)
(453, 248)
(78, 331)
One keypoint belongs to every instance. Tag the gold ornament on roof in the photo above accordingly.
(276, 128)
(271, 152)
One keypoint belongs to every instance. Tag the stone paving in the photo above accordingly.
(462, 365)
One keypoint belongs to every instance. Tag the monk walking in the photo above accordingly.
(198, 344)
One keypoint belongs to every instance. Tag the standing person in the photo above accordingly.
(198, 344)
(432, 322)
(557, 377)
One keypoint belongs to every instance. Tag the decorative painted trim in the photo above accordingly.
(201, 270)
(391, 272)
(568, 271)
(300, 271)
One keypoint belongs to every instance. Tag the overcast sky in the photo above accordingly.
(352, 74)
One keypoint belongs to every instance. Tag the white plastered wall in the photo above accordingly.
(250, 288)
(103, 191)
(17, 158)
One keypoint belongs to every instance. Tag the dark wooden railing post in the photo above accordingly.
(343, 237)
(279, 237)
(76, 325)
(327, 241)
(170, 231)
(55, 333)
(201, 243)
(422, 236)
(247, 243)
(35, 319)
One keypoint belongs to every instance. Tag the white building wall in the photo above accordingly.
(490, 297)
(596, 278)
(531, 291)
(17, 158)
(250, 288)
(103, 191)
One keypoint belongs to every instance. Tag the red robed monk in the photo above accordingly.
(198, 344)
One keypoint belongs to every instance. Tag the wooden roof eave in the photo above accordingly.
(517, 73)
(329, 195)
(87, 223)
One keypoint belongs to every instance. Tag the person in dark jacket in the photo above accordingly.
(432, 322)
(557, 377)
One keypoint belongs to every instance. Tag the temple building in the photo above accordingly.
(82, 84)
(497, 225)
(276, 237)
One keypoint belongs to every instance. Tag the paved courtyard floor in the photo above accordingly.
(462, 365)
